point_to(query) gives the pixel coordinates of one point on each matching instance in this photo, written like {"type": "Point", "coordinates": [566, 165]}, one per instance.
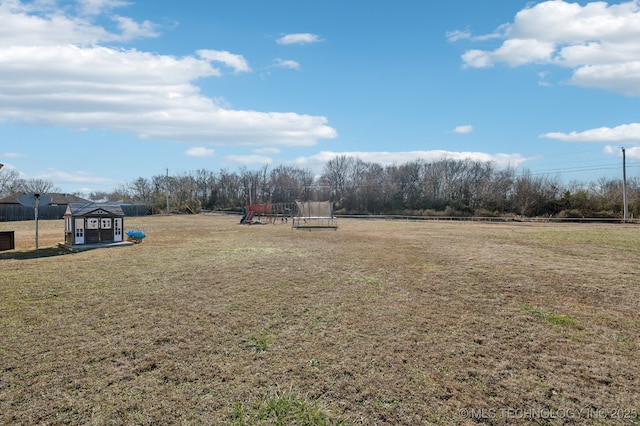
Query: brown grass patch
{"type": "Point", "coordinates": [380, 322]}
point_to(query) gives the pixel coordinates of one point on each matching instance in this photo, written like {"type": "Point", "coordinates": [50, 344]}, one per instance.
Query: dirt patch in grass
{"type": "Point", "coordinates": [380, 322]}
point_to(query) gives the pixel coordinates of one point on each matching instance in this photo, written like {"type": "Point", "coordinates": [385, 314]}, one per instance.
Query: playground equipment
{"type": "Point", "coordinates": [267, 213]}
{"type": "Point", "coordinates": [314, 214]}
{"type": "Point", "coordinates": [303, 214]}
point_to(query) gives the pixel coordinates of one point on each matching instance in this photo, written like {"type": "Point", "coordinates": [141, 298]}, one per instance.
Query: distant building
{"type": "Point", "coordinates": [12, 210]}
{"type": "Point", "coordinates": [56, 199]}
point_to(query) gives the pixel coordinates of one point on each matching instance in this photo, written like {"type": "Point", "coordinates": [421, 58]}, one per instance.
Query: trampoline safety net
{"type": "Point", "coordinates": [314, 214]}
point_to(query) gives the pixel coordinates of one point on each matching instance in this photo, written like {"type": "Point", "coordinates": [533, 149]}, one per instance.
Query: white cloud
{"type": "Point", "coordinates": [249, 159]}
{"type": "Point", "coordinates": [300, 38]}
{"type": "Point", "coordinates": [622, 133]}
{"type": "Point", "coordinates": [260, 156]}
{"type": "Point", "coordinates": [286, 63]}
{"type": "Point", "coordinates": [131, 29]}
{"type": "Point", "coordinates": [633, 152]}
{"type": "Point", "coordinates": [54, 71]}
{"type": "Point", "coordinates": [463, 129]}
{"type": "Point", "coordinates": [317, 162]}
{"type": "Point", "coordinates": [477, 59]}
{"type": "Point", "coordinates": [200, 152]}
{"type": "Point", "coordinates": [599, 42]}
{"type": "Point", "coordinates": [82, 177]}
{"type": "Point", "coordinates": [96, 7]}
{"type": "Point", "coordinates": [237, 62]}
{"type": "Point", "coordinates": [267, 151]}
{"type": "Point", "coordinates": [622, 78]}
{"type": "Point", "coordinates": [41, 24]}
{"type": "Point", "coordinates": [542, 79]}
{"type": "Point", "coordinates": [514, 52]}
{"type": "Point", "coordinates": [12, 155]}
{"type": "Point", "coordinates": [457, 35]}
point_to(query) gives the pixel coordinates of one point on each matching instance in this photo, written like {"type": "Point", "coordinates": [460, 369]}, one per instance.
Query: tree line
{"type": "Point", "coordinates": [12, 183]}
{"type": "Point", "coordinates": [445, 187]}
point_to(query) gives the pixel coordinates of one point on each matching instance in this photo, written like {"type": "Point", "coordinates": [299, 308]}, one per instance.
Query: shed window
{"type": "Point", "coordinates": [93, 223]}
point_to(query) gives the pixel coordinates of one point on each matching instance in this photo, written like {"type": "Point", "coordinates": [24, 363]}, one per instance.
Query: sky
{"type": "Point", "coordinates": [95, 94]}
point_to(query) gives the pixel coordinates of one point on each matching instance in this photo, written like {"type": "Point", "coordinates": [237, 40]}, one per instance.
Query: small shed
{"type": "Point", "coordinates": [93, 223]}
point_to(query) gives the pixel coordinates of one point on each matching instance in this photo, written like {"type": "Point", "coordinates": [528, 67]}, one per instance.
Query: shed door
{"type": "Point", "coordinates": [106, 229]}
{"type": "Point", "coordinates": [79, 232]}
{"type": "Point", "coordinates": [92, 234]}
{"type": "Point", "coordinates": [117, 229]}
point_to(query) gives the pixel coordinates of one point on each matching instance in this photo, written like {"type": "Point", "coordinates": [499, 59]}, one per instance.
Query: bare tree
{"type": "Point", "coordinates": [10, 182]}
{"type": "Point", "coordinates": [38, 186]}
{"type": "Point", "coordinates": [336, 174]}
{"type": "Point", "coordinates": [288, 183]}
{"type": "Point", "coordinates": [495, 194]}
{"type": "Point", "coordinates": [141, 190]}
{"type": "Point", "coordinates": [535, 195]}
{"type": "Point", "coordinates": [229, 190]}
{"type": "Point", "coordinates": [205, 182]}
{"type": "Point", "coordinates": [356, 186]}
{"type": "Point", "coordinates": [371, 191]}
{"type": "Point", "coordinates": [409, 184]}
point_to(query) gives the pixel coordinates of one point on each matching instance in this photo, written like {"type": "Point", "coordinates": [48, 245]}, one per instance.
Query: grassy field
{"type": "Point", "coordinates": [378, 323]}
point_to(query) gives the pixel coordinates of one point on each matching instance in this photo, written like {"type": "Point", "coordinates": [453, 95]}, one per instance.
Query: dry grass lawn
{"type": "Point", "coordinates": [378, 323]}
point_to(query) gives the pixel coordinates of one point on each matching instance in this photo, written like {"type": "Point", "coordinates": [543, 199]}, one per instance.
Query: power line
{"type": "Point", "coordinates": [580, 169]}
{"type": "Point", "coordinates": [566, 163]}
{"type": "Point", "coordinates": [572, 170]}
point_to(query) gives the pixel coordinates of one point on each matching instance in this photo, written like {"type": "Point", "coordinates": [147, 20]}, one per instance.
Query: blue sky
{"type": "Point", "coordinates": [96, 93]}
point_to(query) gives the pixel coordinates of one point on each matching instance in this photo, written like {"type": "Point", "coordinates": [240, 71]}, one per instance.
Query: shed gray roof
{"type": "Point", "coordinates": [88, 209]}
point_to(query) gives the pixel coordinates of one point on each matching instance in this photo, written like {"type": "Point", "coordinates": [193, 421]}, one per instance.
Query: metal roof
{"type": "Point", "coordinates": [90, 208]}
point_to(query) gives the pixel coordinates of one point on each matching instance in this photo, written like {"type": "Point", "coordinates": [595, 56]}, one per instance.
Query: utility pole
{"type": "Point", "coordinates": [167, 189]}
{"type": "Point", "coordinates": [35, 210]}
{"type": "Point", "coordinates": [624, 187]}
